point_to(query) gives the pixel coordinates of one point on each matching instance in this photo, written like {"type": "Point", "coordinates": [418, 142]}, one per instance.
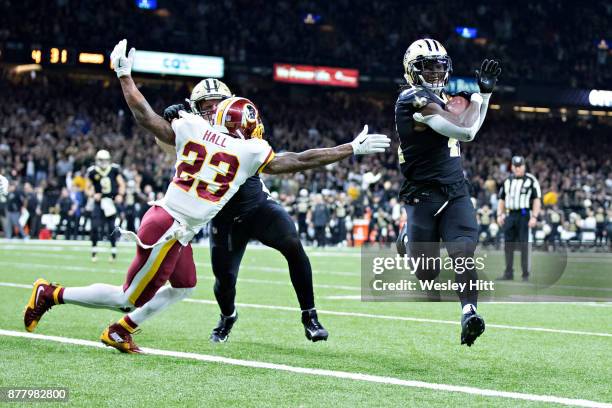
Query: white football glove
{"type": "Point", "coordinates": [3, 186]}
{"type": "Point", "coordinates": [122, 64]}
{"type": "Point", "coordinates": [366, 143]}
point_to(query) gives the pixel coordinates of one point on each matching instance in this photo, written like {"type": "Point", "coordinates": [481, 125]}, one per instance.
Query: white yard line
{"type": "Point", "coordinates": [589, 304]}
{"type": "Point", "coordinates": [31, 265]}
{"type": "Point", "coordinates": [375, 316]}
{"type": "Point", "coordinates": [47, 267]}
{"type": "Point", "coordinates": [243, 267]}
{"type": "Point", "coordinates": [407, 319]}
{"type": "Point", "coordinates": [340, 252]}
{"type": "Point", "coordinates": [326, 373]}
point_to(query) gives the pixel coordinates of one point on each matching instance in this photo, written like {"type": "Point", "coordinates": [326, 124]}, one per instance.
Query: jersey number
{"type": "Point", "coordinates": [194, 156]}
{"type": "Point", "coordinates": [453, 146]}
{"type": "Point", "coordinates": [106, 185]}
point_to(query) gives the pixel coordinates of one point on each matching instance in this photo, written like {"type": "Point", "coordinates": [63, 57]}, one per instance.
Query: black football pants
{"type": "Point", "coordinates": [102, 227]}
{"type": "Point", "coordinates": [270, 224]}
{"type": "Point", "coordinates": [455, 224]}
{"type": "Point", "coordinates": [516, 236]}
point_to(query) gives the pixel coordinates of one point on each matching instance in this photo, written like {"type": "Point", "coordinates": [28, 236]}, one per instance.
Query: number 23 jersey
{"type": "Point", "coordinates": [210, 168]}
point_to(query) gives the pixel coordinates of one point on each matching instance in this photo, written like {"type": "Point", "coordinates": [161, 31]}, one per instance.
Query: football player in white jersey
{"type": "Point", "coordinates": [210, 167]}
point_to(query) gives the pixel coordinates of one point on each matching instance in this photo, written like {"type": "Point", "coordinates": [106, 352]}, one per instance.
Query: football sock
{"type": "Point", "coordinates": [164, 298]}
{"type": "Point", "coordinates": [98, 295]}
{"type": "Point", "coordinates": [465, 250]}
{"type": "Point", "coordinates": [225, 267]}
{"type": "Point", "coordinates": [232, 315]}
{"type": "Point", "coordinates": [128, 324]}
{"type": "Point", "coordinates": [468, 308]}
{"type": "Point", "coordinates": [300, 270]}
{"type": "Point", "coordinates": [114, 252]}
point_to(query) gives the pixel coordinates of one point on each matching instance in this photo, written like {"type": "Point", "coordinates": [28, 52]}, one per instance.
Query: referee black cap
{"type": "Point", "coordinates": [518, 160]}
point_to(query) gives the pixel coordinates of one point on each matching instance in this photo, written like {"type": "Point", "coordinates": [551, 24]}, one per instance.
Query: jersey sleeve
{"type": "Point", "coordinates": [535, 186]}
{"type": "Point", "coordinates": [187, 124]}
{"type": "Point", "coordinates": [502, 191]}
{"type": "Point", "coordinates": [409, 101]}
{"type": "Point", "coordinates": [260, 153]}
{"type": "Point", "coordinates": [116, 170]}
{"type": "Point", "coordinates": [90, 174]}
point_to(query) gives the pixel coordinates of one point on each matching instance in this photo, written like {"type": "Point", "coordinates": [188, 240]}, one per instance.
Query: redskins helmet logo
{"type": "Point", "coordinates": [249, 114]}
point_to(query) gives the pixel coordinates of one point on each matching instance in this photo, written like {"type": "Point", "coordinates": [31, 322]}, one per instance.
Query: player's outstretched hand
{"type": "Point", "coordinates": [122, 64]}
{"type": "Point", "coordinates": [3, 186]}
{"type": "Point", "coordinates": [366, 143]}
{"type": "Point", "coordinates": [487, 75]}
{"type": "Point", "coordinates": [172, 111]}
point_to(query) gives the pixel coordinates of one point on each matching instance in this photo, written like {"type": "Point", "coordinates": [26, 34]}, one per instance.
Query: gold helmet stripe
{"type": "Point", "coordinates": [222, 110]}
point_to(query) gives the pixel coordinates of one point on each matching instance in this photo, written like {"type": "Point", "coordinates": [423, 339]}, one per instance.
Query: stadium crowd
{"type": "Point", "coordinates": [536, 37]}
{"type": "Point", "coordinates": [50, 131]}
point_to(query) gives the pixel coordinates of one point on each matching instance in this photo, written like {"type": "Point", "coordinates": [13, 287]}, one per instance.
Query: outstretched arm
{"type": "Point", "coordinates": [293, 162]}
{"type": "Point", "coordinates": [364, 143]}
{"type": "Point", "coordinates": [144, 115]}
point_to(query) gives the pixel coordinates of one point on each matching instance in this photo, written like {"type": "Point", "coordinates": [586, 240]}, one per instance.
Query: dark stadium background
{"type": "Point", "coordinates": [56, 114]}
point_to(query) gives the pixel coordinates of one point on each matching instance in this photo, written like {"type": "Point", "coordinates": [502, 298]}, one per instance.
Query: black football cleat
{"type": "Point", "coordinates": [472, 326]}
{"type": "Point", "coordinates": [312, 328]}
{"type": "Point", "coordinates": [223, 329]}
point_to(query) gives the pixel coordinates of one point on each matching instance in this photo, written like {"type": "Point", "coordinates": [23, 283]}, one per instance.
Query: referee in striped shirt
{"type": "Point", "coordinates": [519, 206]}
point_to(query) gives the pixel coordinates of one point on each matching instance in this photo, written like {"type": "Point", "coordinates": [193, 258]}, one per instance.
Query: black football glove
{"type": "Point", "coordinates": [487, 75]}
{"type": "Point", "coordinates": [172, 111]}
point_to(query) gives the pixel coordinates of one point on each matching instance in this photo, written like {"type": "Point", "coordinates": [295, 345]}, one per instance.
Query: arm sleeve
{"type": "Point", "coordinates": [483, 108]}
{"type": "Point", "coordinates": [450, 130]}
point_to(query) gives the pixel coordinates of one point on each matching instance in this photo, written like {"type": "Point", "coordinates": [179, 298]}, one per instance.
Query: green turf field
{"type": "Point", "coordinates": [410, 351]}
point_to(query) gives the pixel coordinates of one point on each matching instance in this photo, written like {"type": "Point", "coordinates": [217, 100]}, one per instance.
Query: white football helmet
{"type": "Point", "coordinates": [206, 90]}
{"type": "Point", "coordinates": [427, 64]}
{"type": "Point", "coordinates": [103, 159]}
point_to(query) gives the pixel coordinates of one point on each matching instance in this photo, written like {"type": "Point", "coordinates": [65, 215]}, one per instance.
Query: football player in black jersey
{"type": "Point", "coordinates": [105, 185]}
{"type": "Point", "coordinates": [435, 192]}
{"type": "Point", "coordinates": [250, 214]}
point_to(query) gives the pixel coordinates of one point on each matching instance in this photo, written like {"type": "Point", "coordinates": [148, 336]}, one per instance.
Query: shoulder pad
{"type": "Point", "coordinates": [91, 169]}
{"type": "Point", "coordinates": [416, 96]}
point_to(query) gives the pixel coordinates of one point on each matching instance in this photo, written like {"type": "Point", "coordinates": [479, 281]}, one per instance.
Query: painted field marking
{"type": "Point", "coordinates": [373, 316]}
{"type": "Point", "coordinates": [325, 373]}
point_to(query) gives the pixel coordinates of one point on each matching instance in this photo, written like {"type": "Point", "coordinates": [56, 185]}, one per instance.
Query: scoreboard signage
{"type": "Point", "coordinates": [313, 75]}
{"type": "Point", "coordinates": [178, 64]}
{"type": "Point", "coordinates": [462, 84]}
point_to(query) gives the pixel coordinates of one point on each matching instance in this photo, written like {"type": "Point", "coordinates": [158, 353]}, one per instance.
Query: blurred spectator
{"type": "Point", "coordinates": [51, 128]}
{"type": "Point", "coordinates": [548, 40]}
{"type": "Point", "coordinates": [320, 219]}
